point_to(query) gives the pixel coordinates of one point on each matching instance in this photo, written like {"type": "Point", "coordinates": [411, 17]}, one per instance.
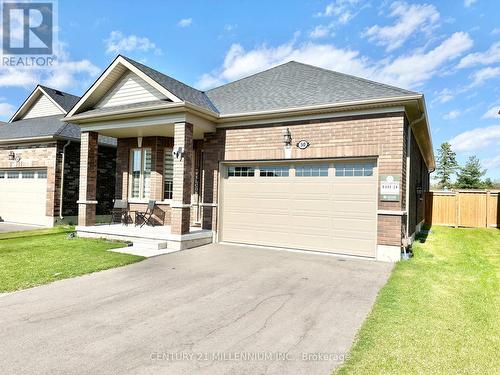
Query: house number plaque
{"type": "Point", "coordinates": [303, 144]}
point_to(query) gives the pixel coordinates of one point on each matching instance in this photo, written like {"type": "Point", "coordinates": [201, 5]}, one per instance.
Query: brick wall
{"type": "Point", "coordinates": [354, 136]}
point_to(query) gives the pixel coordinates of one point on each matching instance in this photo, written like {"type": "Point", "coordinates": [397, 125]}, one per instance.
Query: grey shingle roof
{"type": "Point", "coordinates": [179, 89]}
{"type": "Point", "coordinates": [65, 100]}
{"type": "Point", "coordinates": [48, 126]}
{"type": "Point", "coordinates": [296, 84]}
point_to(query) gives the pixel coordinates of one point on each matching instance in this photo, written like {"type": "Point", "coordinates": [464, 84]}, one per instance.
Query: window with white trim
{"type": "Point", "coordinates": [12, 174]}
{"type": "Point", "coordinates": [41, 174]}
{"type": "Point", "coordinates": [354, 169]}
{"type": "Point", "coordinates": [240, 172]}
{"type": "Point", "coordinates": [313, 170]}
{"type": "Point", "coordinates": [2, 174]}
{"type": "Point", "coordinates": [140, 173]}
{"type": "Point", "coordinates": [274, 171]}
{"type": "Point", "coordinates": [168, 175]}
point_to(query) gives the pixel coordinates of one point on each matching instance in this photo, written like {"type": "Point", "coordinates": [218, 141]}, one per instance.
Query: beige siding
{"type": "Point", "coordinates": [43, 106]}
{"type": "Point", "coordinates": [130, 89]}
{"type": "Point", "coordinates": [330, 214]}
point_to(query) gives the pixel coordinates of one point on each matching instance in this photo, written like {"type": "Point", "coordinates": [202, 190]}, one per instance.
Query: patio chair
{"type": "Point", "coordinates": [146, 216]}
{"type": "Point", "coordinates": [119, 212]}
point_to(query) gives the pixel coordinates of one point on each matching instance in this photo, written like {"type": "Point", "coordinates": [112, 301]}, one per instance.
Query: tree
{"type": "Point", "coordinates": [488, 184]}
{"type": "Point", "coordinates": [446, 165]}
{"type": "Point", "coordinates": [469, 176]}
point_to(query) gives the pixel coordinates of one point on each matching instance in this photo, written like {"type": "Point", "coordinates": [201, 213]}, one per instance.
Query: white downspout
{"type": "Point", "coordinates": [62, 180]}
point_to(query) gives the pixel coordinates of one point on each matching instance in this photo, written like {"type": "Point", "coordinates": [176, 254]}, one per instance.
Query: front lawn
{"type": "Point", "coordinates": [38, 257]}
{"type": "Point", "coordinates": [439, 313]}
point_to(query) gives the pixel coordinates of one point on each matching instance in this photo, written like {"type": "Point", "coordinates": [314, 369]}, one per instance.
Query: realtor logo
{"type": "Point", "coordinates": [28, 33]}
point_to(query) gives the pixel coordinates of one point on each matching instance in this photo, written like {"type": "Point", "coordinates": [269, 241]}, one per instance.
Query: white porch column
{"type": "Point", "coordinates": [181, 205]}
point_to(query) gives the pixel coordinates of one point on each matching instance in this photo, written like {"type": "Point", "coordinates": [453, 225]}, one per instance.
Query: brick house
{"type": "Point", "coordinates": [294, 157]}
{"type": "Point", "coordinates": [40, 162]}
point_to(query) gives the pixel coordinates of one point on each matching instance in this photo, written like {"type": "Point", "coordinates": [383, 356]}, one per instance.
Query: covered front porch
{"type": "Point", "coordinates": [160, 162]}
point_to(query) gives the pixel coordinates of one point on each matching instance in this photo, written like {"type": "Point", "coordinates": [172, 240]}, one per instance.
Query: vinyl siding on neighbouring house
{"type": "Point", "coordinates": [42, 107]}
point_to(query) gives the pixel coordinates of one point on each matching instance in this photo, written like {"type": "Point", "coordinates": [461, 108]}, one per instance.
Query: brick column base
{"type": "Point", "coordinates": [86, 213]}
{"type": "Point", "coordinates": [180, 220]}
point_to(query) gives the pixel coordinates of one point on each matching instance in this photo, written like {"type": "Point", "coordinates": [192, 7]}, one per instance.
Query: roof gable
{"type": "Point", "coordinates": [294, 85]}
{"type": "Point", "coordinates": [130, 89]}
{"type": "Point", "coordinates": [109, 79]}
{"type": "Point", "coordinates": [44, 101]}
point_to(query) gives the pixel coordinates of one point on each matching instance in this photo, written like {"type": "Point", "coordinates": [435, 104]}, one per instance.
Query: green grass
{"type": "Point", "coordinates": [31, 258]}
{"type": "Point", "coordinates": [439, 313]}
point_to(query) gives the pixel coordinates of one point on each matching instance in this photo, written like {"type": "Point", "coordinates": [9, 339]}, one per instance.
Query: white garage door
{"type": "Point", "coordinates": [328, 206]}
{"type": "Point", "coordinates": [23, 196]}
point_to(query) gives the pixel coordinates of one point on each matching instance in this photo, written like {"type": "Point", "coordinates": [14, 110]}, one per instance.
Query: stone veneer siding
{"type": "Point", "coordinates": [381, 135]}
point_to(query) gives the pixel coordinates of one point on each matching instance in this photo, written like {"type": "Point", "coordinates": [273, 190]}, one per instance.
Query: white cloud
{"type": "Point", "coordinates": [468, 3]}
{"type": "Point", "coordinates": [185, 22]}
{"type": "Point", "coordinates": [491, 163]}
{"type": "Point", "coordinates": [476, 139]}
{"type": "Point", "coordinates": [408, 71]}
{"type": "Point", "coordinates": [482, 75]}
{"type": "Point", "coordinates": [495, 31]}
{"type": "Point", "coordinates": [409, 19]}
{"type": "Point", "coordinates": [69, 74]}
{"type": "Point", "coordinates": [65, 74]}
{"type": "Point", "coordinates": [444, 96]}
{"type": "Point", "coordinates": [342, 10]}
{"type": "Point", "coordinates": [6, 110]}
{"type": "Point", "coordinates": [118, 43]}
{"type": "Point", "coordinates": [321, 31]}
{"type": "Point", "coordinates": [452, 115]}
{"type": "Point", "coordinates": [493, 112]}
{"type": "Point", "coordinates": [491, 56]}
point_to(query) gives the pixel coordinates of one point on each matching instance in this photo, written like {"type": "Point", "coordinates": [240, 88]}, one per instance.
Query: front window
{"type": "Point", "coordinates": [168, 175]}
{"type": "Point", "coordinates": [140, 173]}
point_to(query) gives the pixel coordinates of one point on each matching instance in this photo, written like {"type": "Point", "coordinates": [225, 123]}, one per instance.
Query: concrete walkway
{"type": "Point", "coordinates": [209, 310]}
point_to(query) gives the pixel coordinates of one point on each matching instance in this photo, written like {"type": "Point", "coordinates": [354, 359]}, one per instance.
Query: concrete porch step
{"type": "Point", "coordinates": [149, 244]}
{"type": "Point", "coordinates": [143, 251]}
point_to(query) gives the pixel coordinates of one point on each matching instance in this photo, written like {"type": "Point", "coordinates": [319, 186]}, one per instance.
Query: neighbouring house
{"type": "Point", "coordinates": [294, 157]}
{"type": "Point", "coordinates": [40, 162]}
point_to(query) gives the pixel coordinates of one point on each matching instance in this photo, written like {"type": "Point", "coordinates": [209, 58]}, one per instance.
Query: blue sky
{"type": "Point", "coordinates": [449, 50]}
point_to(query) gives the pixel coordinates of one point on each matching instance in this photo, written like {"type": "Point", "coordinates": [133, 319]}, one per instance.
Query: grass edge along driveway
{"type": "Point", "coordinates": [439, 312]}
{"type": "Point", "coordinates": [36, 257]}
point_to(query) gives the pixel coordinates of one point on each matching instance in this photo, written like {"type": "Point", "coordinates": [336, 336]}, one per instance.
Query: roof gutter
{"type": "Point", "coordinates": [295, 110]}
{"type": "Point", "coordinates": [26, 140]}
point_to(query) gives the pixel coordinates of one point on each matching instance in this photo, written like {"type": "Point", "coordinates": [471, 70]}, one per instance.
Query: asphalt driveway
{"type": "Point", "coordinates": [214, 309]}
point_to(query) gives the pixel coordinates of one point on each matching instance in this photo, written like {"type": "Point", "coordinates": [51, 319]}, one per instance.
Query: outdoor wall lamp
{"type": "Point", "coordinates": [287, 137]}
{"type": "Point", "coordinates": [420, 192]}
{"type": "Point", "coordinates": [178, 153]}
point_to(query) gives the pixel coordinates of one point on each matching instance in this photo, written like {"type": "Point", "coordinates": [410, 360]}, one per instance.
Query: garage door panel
{"type": "Point", "coordinates": [323, 213]}
{"type": "Point", "coordinates": [23, 200]}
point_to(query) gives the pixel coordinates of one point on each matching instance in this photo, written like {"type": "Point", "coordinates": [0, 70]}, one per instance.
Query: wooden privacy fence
{"type": "Point", "coordinates": [463, 208]}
